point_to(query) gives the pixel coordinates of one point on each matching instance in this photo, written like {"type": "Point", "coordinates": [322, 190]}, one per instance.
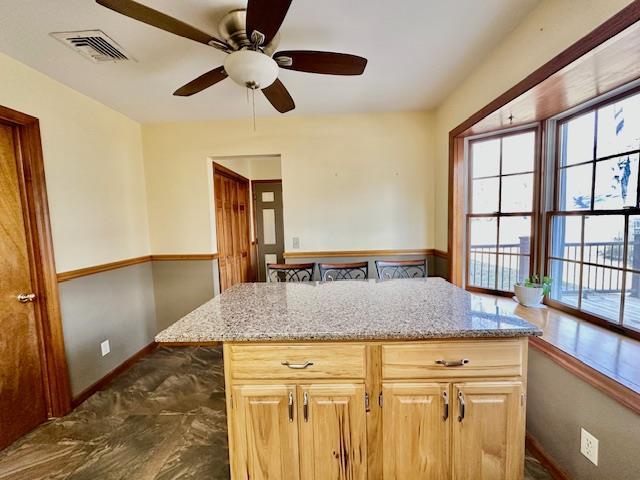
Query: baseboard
{"type": "Point", "coordinates": [109, 377]}
{"type": "Point", "coordinates": [547, 462]}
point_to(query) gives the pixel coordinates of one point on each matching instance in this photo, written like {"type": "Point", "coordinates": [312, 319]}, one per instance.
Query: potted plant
{"type": "Point", "coordinates": [531, 291]}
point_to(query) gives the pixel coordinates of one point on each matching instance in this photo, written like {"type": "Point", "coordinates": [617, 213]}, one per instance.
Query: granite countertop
{"type": "Point", "coordinates": [410, 309]}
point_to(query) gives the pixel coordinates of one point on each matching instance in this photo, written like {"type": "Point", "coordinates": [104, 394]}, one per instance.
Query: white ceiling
{"type": "Point", "coordinates": [418, 50]}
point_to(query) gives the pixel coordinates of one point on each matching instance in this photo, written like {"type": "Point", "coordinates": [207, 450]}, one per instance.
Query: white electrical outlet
{"type": "Point", "coordinates": [105, 348]}
{"type": "Point", "coordinates": [589, 446]}
{"type": "Point", "coordinates": [296, 242]}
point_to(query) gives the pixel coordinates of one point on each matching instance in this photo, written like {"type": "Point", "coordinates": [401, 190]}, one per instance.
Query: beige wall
{"type": "Point", "coordinates": [97, 198]}
{"type": "Point", "coordinates": [253, 168]}
{"type": "Point", "coordinates": [350, 182]}
{"type": "Point", "coordinates": [548, 29]}
{"type": "Point", "coordinates": [94, 168]}
{"type": "Point", "coordinates": [559, 403]}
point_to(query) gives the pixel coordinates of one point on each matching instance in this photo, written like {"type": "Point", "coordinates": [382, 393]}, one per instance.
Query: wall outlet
{"type": "Point", "coordinates": [296, 242]}
{"type": "Point", "coordinates": [105, 348]}
{"type": "Point", "coordinates": [589, 446]}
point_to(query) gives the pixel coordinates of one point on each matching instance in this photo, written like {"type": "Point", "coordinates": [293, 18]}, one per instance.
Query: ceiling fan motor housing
{"type": "Point", "coordinates": [232, 29]}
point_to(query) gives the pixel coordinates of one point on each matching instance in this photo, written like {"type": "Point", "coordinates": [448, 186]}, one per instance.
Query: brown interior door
{"type": "Point", "coordinates": [269, 224]}
{"type": "Point", "coordinates": [22, 396]}
{"type": "Point", "coordinates": [232, 227]}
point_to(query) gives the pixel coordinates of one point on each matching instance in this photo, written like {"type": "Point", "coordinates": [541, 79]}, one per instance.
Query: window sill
{"type": "Point", "coordinates": [605, 359]}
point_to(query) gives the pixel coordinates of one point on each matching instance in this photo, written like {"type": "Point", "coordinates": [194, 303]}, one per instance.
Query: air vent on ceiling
{"type": "Point", "coordinates": [95, 45]}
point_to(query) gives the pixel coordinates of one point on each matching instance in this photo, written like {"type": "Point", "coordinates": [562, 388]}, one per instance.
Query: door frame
{"type": "Point", "coordinates": [222, 170]}
{"type": "Point", "coordinates": [255, 243]}
{"type": "Point", "coordinates": [33, 191]}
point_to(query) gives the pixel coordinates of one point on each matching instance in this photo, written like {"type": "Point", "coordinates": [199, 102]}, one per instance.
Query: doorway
{"type": "Point", "coordinates": [33, 371]}
{"type": "Point", "coordinates": [232, 226]}
{"type": "Point", "coordinates": [267, 210]}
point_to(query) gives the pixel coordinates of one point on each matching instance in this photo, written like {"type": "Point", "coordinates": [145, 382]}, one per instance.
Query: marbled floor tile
{"type": "Point", "coordinates": [164, 419]}
{"type": "Point", "coordinates": [533, 470]}
{"type": "Point", "coordinates": [132, 450]}
{"type": "Point", "coordinates": [197, 462]}
{"type": "Point", "coordinates": [43, 462]}
{"type": "Point", "coordinates": [203, 453]}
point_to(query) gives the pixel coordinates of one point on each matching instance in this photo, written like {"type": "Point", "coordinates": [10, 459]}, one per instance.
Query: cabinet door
{"type": "Point", "coordinates": [488, 431]}
{"type": "Point", "coordinates": [265, 433]}
{"type": "Point", "coordinates": [333, 441]}
{"type": "Point", "coordinates": [416, 423]}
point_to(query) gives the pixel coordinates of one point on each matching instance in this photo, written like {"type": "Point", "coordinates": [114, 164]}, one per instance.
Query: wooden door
{"type": "Point", "coordinates": [232, 227]}
{"type": "Point", "coordinates": [488, 431]}
{"type": "Point", "coordinates": [265, 433]}
{"type": "Point", "coordinates": [333, 442]}
{"type": "Point", "coordinates": [269, 224]}
{"type": "Point", "coordinates": [22, 398]}
{"type": "Point", "coordinates": [416, 424]}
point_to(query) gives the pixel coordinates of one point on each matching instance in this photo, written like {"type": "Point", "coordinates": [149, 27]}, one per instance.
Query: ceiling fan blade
{"type": "Point", "coordinates": [321, 62]}
{"type": "Point", "coordinates": [266, 17]}
{"type": "Point", "coordinates": [279, 97]}
{"type": "Point", "coordinates": [203, 81]}
{"type": "Point", "coordinates": [158, 19]}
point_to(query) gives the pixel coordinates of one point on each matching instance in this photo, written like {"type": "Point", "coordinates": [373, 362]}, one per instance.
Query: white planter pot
{"type": "Point", "coordinates": [529, 296]}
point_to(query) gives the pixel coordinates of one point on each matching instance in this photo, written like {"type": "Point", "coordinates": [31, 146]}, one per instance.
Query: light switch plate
{"type": "Point", "coordinates": [589, 446]}
{"type": "Point", "coordinates": [296, 242]}
{"type": "Point", "coordinates": [105, 348]}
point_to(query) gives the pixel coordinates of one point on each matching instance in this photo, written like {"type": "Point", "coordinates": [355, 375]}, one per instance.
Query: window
{"type": "Point", "coordinates": [594, 227]}
{"type": "Point", "coordinates": [500, 210]}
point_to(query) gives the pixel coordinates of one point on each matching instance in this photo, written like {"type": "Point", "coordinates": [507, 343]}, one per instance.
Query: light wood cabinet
{"type": "Point", "coordinates": [415, 427]}
{"type": "Point", "coordinates": [333, 432]}
{"type": "Point", "coordinates": [265, 432]}
{"type": "Point", "coordinates": [393, 410]}
{"type": "Point", "coordinates": [488, 431]}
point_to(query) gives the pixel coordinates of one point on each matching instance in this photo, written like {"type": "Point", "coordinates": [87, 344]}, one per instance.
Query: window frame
{"type": "Point", "coordinates": [548, 214]}
{"type": "Point", "coordinates": [534, 214]}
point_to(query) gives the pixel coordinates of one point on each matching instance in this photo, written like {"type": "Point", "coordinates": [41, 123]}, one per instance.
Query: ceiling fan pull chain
{"type": "Point", "coordinates": [253, 95]}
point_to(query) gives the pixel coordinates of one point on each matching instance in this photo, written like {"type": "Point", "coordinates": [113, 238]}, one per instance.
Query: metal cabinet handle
{"type": "Point", "coordinates": [453, 363]}
{"type": "Point", "coordinates": [462, 405]}
{"type": "Point", "coordinates": [297, 366]}
{"type": "Point", "coordinates": [291, 407]}
{"type": "Point", "coordinates": [26, 297]}
{"type": "Point", "coordinates": [305, 406]}
{"type": "Point", "coordinates": [445, 399]}
{"type": "Point", "coordinates": [367, 407]}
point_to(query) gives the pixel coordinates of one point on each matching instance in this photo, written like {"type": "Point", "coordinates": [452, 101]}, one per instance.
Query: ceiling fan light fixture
{"type": "Point", "coordinates": [251, 69]}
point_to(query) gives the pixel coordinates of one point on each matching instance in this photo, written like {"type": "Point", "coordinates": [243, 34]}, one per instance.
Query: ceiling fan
{"type": "Point", "coordinates": [250, 37]}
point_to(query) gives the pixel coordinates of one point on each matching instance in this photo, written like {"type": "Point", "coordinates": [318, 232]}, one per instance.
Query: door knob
{"type": "Point", "coordinates": [26, 297]}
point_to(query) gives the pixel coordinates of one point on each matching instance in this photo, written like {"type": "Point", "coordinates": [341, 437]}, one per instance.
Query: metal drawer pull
{"type": "Point", "coordinates": [290, 407]}
{"type": "Point", "coordinates": [445, 398]}
{"type": "Point", "coordinates": [462, 405]}
{"type": "Point", "coordinates": [297, 366]}
{"type": "Point", "coordinates": [305, 407]}
{"type": "Point", "coordinates": [453, 363]}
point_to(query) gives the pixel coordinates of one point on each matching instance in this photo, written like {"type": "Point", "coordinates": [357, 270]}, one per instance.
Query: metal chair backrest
{"type": "Point", "coordinates": [343, 271]}
{"type": "Point", "coordinates": [401, 269]}
{"type": "Point", "coordinates": [290, 272]}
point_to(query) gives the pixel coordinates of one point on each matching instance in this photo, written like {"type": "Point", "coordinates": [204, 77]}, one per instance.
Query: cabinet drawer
{"type": "Point", "coordinates": [288, 361]}
{"type": "Point", "coordinates": [474, 358]}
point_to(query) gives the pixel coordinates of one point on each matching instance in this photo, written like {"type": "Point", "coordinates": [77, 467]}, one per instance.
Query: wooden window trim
{"type": "Point", "coordinates": [592, 376]}
{"type": "Point", "coordinates": [455, 247]}
{"type": "Point", "coordinates": [48, 316]}
{"type": "Point", "coordinates": [624, 19]}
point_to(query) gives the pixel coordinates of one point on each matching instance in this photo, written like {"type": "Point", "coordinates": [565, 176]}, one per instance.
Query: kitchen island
{"type": "Point", "coordinates": [398, 379]}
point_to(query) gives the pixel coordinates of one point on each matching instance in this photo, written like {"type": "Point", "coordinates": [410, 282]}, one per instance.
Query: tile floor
{"type": "Point", "coordinates": [163, 419]}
